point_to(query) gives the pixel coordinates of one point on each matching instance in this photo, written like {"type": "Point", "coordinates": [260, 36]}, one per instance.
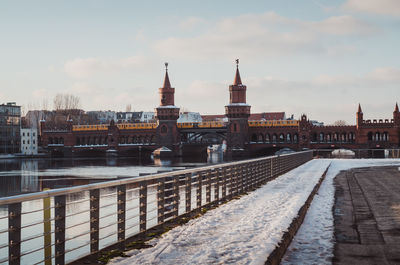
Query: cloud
{"type": "Point", "coordinates": [87, 67]}
{"type": "Point", "coordinates": [380, 7]}
{"type": "Point", "coordinates": [256, 35]}
{"type": "Point", "coordinates": [190, 23]}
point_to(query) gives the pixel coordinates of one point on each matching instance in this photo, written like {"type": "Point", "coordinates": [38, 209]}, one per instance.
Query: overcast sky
{"type": "Point", "coordinates": [317, 57]}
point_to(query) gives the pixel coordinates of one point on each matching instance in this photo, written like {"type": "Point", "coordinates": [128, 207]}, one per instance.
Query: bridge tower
{"type": "Point", "coordinates": [237, 112]}
{"type": "Point", "coordinates": [396, 116]}
{"type": "Point", "coordinates": [167, 114]}
{"type": "Point", "coordinates": [359, 117]}
{"type": "Point", "coordinates": [304, 132]}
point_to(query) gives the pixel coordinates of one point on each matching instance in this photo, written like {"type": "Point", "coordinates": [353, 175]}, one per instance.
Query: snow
{"type": "Point", "coordinates": [314, 241]}
{"type": "Point", "coordinates": [243, 231]}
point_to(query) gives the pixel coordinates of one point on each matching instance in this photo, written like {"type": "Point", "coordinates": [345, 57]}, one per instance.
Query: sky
{"type": "Point", "coordinates": [318, 57]}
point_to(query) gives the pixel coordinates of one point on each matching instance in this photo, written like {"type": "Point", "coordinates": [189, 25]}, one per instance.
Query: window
{"type": "Point", "coordinates": [23, 141]}
{"type": "Point", "coordinates": [28, 141]}
{"type": "Point", "coordinates": [34, 142]}
{"type": "Point", "coordinates": [27, 134]}
{"type": "Point", "coordinates": [33, 134]}
{"type": "Point", "coordinates": [23, 134]}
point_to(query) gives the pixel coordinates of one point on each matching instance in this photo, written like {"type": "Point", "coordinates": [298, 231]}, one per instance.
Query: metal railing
{"type": "Point", "coordinates": [63, 225]}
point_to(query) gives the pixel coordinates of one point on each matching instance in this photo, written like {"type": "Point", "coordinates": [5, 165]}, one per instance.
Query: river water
{"type": "Point", "coordinates": [34, 175]}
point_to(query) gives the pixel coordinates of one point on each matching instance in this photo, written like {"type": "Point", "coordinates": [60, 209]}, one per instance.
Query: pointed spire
{"type": "Point", "coordinates": [396, 109]}
{"type": "Point", "coordinates": [237, 80]}
{"type": "Point", "coordinates": [359, 108]}
{"type": "Point", "coordinates": [167, 84]}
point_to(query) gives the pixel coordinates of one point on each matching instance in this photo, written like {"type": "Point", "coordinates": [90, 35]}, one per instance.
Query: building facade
{"type": "Point", "coordinates": [29, 141]}
{"type": "Point", "coordinates": [10, 125]}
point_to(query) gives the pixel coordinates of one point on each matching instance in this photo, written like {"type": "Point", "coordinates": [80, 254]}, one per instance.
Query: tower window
{"type": "Point", "coordinates": [235, 127]}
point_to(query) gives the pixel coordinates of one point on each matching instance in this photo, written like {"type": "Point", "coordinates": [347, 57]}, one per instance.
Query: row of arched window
{"type": "Point", "coordinates": [103, 140]}
{"type": "Point", "coordinates": [56, 140]}
{"type": "Point", "coordinates": [275, 138]}
{"type": "Point", "coordinates": [333, 137]}
{"type": "Point", "coordinates": [378, 136]}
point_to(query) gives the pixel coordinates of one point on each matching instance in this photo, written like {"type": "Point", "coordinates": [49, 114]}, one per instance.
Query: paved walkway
{"type": "Point", "coordinates": [367, 216]}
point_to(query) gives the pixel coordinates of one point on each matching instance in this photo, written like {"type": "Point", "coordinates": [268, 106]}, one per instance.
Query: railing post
{"type": "Point", "coordinates": [208, 186]}
{"type": "Point", "coordinates": [217, 184]}
{"type": "Point", "coordinates": [199, 190]}
{"type": "Point", "coordinates": [14, 234]}
{"type": "Point", "coordinates": [94, 220]}
{"type": "Point", "coordinates": [188, 192]}
{"type": "Point", "coordinates": [142, 206]}
{"type": "Point", "coordinates": [161, 200]}
{"type": "Point", "coordinates": [121, 190]}
{"type": "Point", "coordinates": [224, 177]}
{"type": "Point", "coordinates": [176, 195]}
{"type": "Point", "coordinates": [235, 181]}
{"type": "Point", "coordinates": [59, 231]}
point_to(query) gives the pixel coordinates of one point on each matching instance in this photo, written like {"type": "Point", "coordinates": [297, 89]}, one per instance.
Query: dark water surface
{"type": "Point", "coordinates": [20, 176]}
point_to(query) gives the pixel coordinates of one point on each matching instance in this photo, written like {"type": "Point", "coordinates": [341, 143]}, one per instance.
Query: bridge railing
{"type": "Point", "coordinates": [66, 224]}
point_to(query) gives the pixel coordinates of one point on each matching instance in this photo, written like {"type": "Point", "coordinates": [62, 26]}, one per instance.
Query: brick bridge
{"type": "Point", "coordinates": [241, 135]}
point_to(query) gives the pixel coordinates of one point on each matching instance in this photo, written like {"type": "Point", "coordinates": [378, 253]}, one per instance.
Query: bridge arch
{"type": "Point", "coordinates": [267, 138]}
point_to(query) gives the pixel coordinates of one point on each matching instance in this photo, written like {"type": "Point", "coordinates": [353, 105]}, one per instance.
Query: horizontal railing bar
{"type": "Point", "coordinates": [114, 194]}
{"type": "Point", "coordinates": [108, 215]}
{"type": "Point", "coordinates": [78, 235]}
{"type": "Point", "coordinates": [113, 183]}
{"type": "Point", "coordinates": [77, 213]}
{"type": "Point", "coordinates": [132, 216]}
{"type": "Point", "coordinates": [78, 224]}
{"type": "Point", "coordinates": [108, 235]}
{"type": "Point", "coordinates": [76, 202]}
{"type": "Point", "coordinates": [78, 247]}
{"type": "Point", "coordinates": [129, 209]}
{"type": "Point", "coordinates": [37, 223]}
{"type": "Point", "coordinates": [110, 224]}
{"type": "Point", "coordinates": [43, 261]}
{"type": "Point", "coordinates": [108, 205]}
{"type": "Point", "coordinates": [36, 236]}
{"type": "Point", "coordinates": [35, 211]}
{"type": "Point", "coordinates": [35, 250]}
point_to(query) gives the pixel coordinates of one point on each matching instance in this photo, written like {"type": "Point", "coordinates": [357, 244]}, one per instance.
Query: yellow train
{"type": "Point", "coordinates": [185, 125]}
{"type": "Point", "coordinates": [274, 123]}
{"type": "Point", "coordinates": [206, 124]}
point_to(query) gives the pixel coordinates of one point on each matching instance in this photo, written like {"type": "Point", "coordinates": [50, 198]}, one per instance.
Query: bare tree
{"type": "Point", "coordinates": [340, 123]}
{"type": "Point", "coordinates": [66, 102]}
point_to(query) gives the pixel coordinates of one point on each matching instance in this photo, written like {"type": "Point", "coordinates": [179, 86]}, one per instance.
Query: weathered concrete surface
{"type": "Point", "coordinates": [367, 216]}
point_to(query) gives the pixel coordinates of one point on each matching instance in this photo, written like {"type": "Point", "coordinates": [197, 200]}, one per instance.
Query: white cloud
{"type": "Point", "coordinates": [87, 67]}
{"type": "Point", "coordinates": [255, 35]}
{"type": "Point", "coordinates": [190, 23]}
{"type": "Point", "coordinates": [380, 7]}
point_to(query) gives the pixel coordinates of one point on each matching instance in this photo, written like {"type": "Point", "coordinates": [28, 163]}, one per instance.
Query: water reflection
{"type": "Point", "coordinates": [34, 175]}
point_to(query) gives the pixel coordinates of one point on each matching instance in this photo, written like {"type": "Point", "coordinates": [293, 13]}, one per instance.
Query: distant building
{"type": "Point", "coordinates": [29, 141]}
{"type": "Point", "coordinates": [10, 124]}
{"type": "Point", "coordinates": [189, 117]}
{"type": "Point", "coordinates": [102, 117]}
{"type": "Point", "coordinates": [147, 116]}
{"type": "Point", "coordinates": [316, 123]}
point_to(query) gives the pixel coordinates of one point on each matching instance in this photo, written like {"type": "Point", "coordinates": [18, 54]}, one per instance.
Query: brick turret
{"type": "Point", "coordinates": [237, 112]}
{"type": "Point", "coordinates": [167, 114]}
{"type": "Point", "coordinates": [359, 116]}
{"type": "Point", "coordinates": [396, 116]}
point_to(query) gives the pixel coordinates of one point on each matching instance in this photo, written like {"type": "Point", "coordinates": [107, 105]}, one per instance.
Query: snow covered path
{"type": "Point", "coordinates": [243, 231]}
{"type": "Point", "coordinates": [314, 242]}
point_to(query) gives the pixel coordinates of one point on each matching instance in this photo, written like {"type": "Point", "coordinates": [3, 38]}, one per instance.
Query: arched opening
{"type": "Point", "coordinates": [351, 137]}
{"type": "Point", "coordinates": [260, 138]}
{"type": "Point", "coordinates": [344, 138]}
{"type": "Point", "coordinates": [321, 137]}
{"type": "Point", "coordinates": [78, 141]}
{"type": "Point", "coordinates": [152, 139]}
{"type": "Point", "coordinates": [267, 138]}
{"type": "Point", "coordinates": [274, 137]}
{"type": "Point", "coordinates": [385, 136]}
{"type": "Point", "coordinates": [329, 137]}
{"type": "Point", "coordinates": [296, 138]}
{"type": "Point", "coordinates": [254, 137]}
{"type": "Point", "coordinates": [370, 136]}
{"type": "Point", "coordinates": [55, 140]}
{"type": "Point", "coordinates": [314, 137]}
{"type": "Point", "coordinates": [61, 141]}
{"type": "Point", "coordinates": [288, 138]}
{"type": "Point", "coordinates": [377, 136]}
{"type": "Point", "coordinates": [281, 138]}
{"type": "Point", "coordinates": [50, 140]}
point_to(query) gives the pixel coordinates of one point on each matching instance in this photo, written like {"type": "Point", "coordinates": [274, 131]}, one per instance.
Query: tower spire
{"type": "Point", "coordinates": [396, 109]}
{"type": "Point", "coordinates": [167, 84]}
{"type": "Point", "coordinates": [237, 80]}
{"type": "Point", "coordinates": [359, 108]}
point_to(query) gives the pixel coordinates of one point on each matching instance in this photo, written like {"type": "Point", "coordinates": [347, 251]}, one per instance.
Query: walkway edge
{"type": "Point", "coordinates": [277, 254]}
